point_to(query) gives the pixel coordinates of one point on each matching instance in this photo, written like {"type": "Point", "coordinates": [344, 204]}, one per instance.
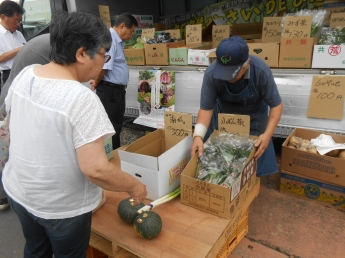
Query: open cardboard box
{"type": "Point", "coordinates": [135, 56]}
{"type": "Point", "coordinates": [320, 167]}
{"type": "Point", "coordinates": [216, 199]}
{"type": "Point", "coordinates": [320, 192]}
{"type": "Point", "coordinates": [158, 158]}
{"type": "Point", "coordinates": [158, 54]}
{"type": "Point", "coordinates": [328, 56]}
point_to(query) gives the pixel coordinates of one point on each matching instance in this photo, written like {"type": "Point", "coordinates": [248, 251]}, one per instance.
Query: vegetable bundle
{"type": "Point", "coordinates": [224, 158]}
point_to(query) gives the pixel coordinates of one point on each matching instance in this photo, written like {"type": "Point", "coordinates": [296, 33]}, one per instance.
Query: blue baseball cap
{"type": "Point", "coordinates": [231, 53]}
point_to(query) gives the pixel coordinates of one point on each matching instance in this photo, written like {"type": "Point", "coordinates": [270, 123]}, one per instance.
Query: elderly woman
{"type": "Point", "coordinates": [58, 166]}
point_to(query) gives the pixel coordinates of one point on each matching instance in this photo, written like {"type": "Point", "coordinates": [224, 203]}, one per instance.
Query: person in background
{"type": "Point", "coordinates": [11, 40]}
{"type": "Point", "coordinates": [57, 165]}
{"type": "Point", "coordinates": [112, 82]}
{"type": "Point", "coordinates": [239, 83]}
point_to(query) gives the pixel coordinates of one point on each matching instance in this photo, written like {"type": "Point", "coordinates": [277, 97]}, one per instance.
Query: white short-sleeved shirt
{"type": "Point", "coordinates": [9, 41]}
{"type": "Point", "coordinates": [50, 119]}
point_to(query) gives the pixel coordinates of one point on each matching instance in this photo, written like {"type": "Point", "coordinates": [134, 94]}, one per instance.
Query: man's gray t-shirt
{"type": "Point", "coordinates": [36, 51]}
{"type": "Point", "coordinates": [263, 81]}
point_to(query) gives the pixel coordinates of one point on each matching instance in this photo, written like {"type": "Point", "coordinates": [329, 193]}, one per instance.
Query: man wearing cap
{"type": "Point", "coordinates": [239, 83]}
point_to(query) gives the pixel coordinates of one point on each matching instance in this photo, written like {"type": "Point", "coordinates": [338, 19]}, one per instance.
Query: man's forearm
{"type": "Point", "coordinates": [273, 119]}
{"type": "Point", "coordinates": [9, 54]}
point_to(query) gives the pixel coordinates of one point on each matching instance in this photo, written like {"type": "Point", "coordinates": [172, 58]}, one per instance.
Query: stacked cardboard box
{"type": "Point", "coordinates": [311, 176]}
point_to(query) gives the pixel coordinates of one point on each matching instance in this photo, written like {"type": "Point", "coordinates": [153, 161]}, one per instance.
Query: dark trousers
{"type": "Point", "coordinates": [65, 238]}
{"type": "Point", "coordinates": [113, 98]}
{"type": "Point", "coordinates": [4, 76]}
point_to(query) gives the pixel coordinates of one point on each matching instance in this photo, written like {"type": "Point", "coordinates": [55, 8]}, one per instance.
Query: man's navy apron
{"type": "Point", "coordinates": [247, 102]}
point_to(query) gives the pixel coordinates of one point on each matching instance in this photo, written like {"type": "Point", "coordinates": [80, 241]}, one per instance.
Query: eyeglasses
{"type": "Point", "coordinates": [107, 58]}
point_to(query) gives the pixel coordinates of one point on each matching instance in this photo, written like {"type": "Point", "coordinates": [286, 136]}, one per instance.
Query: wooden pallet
{"type": "Point", "coordinates": [187, 232]}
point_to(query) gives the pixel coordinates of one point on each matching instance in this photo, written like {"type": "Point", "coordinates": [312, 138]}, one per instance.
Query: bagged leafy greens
{"type": "Point", "coordinates": [224, 158]}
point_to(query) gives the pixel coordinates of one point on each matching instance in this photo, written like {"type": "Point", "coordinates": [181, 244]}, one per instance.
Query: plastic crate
{"type": "Point", "coordinates": [235, 237]}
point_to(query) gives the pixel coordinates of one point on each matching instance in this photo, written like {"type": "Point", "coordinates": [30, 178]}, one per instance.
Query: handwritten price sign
{"type": "Point", "coordinates": [327, 97]}
{"type": "Point", "coordinates": [193, 34]}
{"type": "Point", "coordinates": [147, 34]}
{"type": "Point", "coordinates": [337, 19]}
{"type": "Point", "coordinates": [229, 123]}
{"type": "Point", "coordinates": [177, 127]}
{"type": "Point", "coordinates": [104, 14]}
{"type": "Point", "coordinates": [297, 26]}
{"type": "Point", "coordinates": [219, 32]}
{"type": "Point", "coordinates": [271, 29]}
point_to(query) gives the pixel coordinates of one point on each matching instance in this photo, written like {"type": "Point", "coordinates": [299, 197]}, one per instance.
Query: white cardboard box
{"type": "Point", "coordinates": [328, 56]}
{"type": "Point", "coordinates": [150, 161]}
{"type": "Point", "coordinates": [199, 56]}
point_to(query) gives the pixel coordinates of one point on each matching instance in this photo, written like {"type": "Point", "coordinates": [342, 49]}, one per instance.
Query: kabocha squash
{"type": "Point", "coordinates": [148, 224]}
{"type": "Point", "coordinates": [127, 210]}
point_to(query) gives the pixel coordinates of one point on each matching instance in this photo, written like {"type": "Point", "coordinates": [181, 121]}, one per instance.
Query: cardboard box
{"type": "Point", "coordinates": [158, 54]}
{"type": "Point", "coordinates": [247, 30]}
{"type": "Point", "coordinates": [178, 56]}
{"type": "Point", "coordinates": [333, 6]}
{"type": "Point", "coordinates": [268, 52]}
{"type": "Point", "coordinates": [328, 56]}
{"type": "Point", "coordinates": [198, 55]}
{"type": "Point", "coordinates": [320, 167]}
{"type": "Point", "coordinates": [303, 187]}
{"type": "Point", "coordinates": [158, 158]}
{"type": "Point", "coordinates": [296, 52]}
{"type": "Point", "coordinates": [135, 56]}
{"type": "Point", "coordinates": [215, 199]}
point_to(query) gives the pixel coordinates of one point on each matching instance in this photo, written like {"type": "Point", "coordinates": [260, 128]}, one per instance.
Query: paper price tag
{"type": "Point", "coordinates": [327, 97]}
{"type": "Point", "coordinates": [271, 29]}
{"type": "Point", "coordinates": [177, 127]}
{"type": "Point", "coordinates": [175, 34]}
{"type": "Point", "coordinates": [229, 123]}
{"type": "Point", "coordinates": [147, 34]}
{"type": "Point", "coordinates": [193, 34]}
{"type": "Point", "coordinates": [104, 14]}
{"type": "Point", "coordinates": [297, 26]}
{"type": "Point", "coordinates": [337, 19]}
{"type": "Point", "coordinates": [219, 32]}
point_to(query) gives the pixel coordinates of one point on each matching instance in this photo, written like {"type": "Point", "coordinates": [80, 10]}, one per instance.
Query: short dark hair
{"type": "Point", "coordinates": [9, 8]}
{"type": "Point", "coordinates": [71, 31]}
{"type": "Point", "coordinates": [127, 19]}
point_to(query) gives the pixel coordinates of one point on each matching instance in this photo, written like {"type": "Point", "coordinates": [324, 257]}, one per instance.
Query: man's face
{"type": "Point", "coordinates": [241, 73]}
{"type": "Point", "coordinates": [11, 23]}
{"type": "Point", "coordinates": [125, 33]}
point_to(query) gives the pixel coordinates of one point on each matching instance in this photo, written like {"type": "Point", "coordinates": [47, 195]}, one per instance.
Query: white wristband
{"type": "Point", "coordinates": [200, 130]}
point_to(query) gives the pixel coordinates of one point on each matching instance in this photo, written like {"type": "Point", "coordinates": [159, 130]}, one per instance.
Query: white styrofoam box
{"type": "Point", "coordinates": [199, 56]}
{"type": "Point", "coordinates": [328, 56]}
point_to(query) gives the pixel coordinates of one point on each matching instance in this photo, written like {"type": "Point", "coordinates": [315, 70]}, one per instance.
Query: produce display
{"type": "Point", "coordinates": [147, 223]}
{"type": "Point", "coordinates": [332, 36]}
{"type": "Point", "coordinates": [305, 145]}
{"type": "Point", "coordinates": [224, 158]}
{"type": "Point", "coordinates": [163, 37]}
{"type": "Point", "coordinates": [139, 44]}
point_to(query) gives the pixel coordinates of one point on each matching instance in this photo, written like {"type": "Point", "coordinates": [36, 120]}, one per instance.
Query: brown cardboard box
{"type": "Point", "coordinates": [268, 52]}
{"type": "Point", "coordinates": [303, 187]}
{"type": "Point", "coordinates": [216, 199]}
{"type": "Point", "coordinates": [296, 52]}
{"type": "Point", "coordinates": [247, 30]}
{"type": "Point", "coordinates": [159, 26]}
{"type": "Point", "coordinates": [320, 167]}
{"type": "Point", "coordinates": [135, 56]}
{"type": "Point", "coordinates": [158, 54]}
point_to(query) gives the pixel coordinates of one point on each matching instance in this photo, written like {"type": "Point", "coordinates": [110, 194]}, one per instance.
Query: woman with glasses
{"type": "Point", "coordinates": [58, 166]}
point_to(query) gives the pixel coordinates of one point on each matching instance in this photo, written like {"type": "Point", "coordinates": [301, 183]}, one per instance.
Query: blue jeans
{"type": "Point", "coordinates": [62, 237]}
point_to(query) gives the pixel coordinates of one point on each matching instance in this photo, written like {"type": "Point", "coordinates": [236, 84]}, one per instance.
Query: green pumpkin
{"type": "Point", "coordinates": [127, 210]}
{"type": "Point", "coordinates": [148, 224]}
